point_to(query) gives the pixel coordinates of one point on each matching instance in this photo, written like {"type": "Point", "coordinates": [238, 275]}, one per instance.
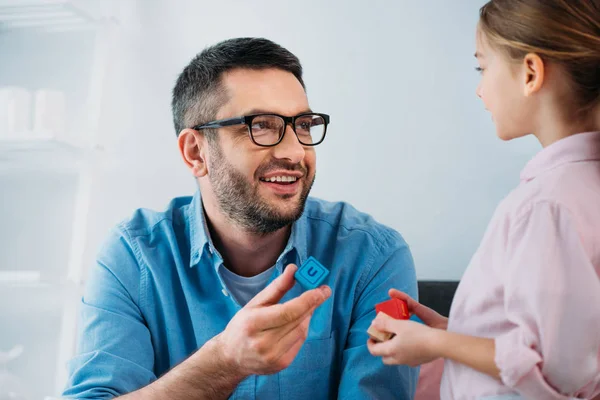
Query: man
{"type": "Point", "coordinates": [200, 301]}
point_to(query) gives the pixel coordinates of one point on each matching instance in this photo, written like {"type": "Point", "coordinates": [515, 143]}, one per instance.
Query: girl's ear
{"type": "Point", "coordinates": [534, 68]}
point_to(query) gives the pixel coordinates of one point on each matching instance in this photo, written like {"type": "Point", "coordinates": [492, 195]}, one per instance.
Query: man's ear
{"type": "Point", "coordinates": [194, 149]}
{"type": "Point", "coordinates": [535, 70]}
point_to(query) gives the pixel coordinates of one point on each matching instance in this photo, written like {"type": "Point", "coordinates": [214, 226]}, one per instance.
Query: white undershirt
{"type": "Point", "coordinates": [243, 289]}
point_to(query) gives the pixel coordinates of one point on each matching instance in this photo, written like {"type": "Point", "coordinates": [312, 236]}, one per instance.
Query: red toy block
{"type": "Point", "coordinates": [395, 308]}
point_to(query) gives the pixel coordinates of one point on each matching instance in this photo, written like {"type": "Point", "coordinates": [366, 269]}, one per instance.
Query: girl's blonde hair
{"type": "Point", "coordinates": [566, 32]}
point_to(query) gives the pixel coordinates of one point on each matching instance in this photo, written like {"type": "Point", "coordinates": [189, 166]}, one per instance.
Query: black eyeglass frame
{"type": "Point", "coordinates": [247, 120]}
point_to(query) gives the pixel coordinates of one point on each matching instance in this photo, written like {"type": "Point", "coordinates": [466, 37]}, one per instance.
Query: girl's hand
{"type": "Point", "coordinates": [413, 344]}
{"type": "Point", "coordinates": [426, 314]}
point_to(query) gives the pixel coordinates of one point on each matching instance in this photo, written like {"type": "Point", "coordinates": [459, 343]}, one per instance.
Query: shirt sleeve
{"type": "Point", "coordinates": [115, 354]}
{"type": "Point", "coordinates": [552, 297]}
{"type": "Point", "coordinates": [364, 376]}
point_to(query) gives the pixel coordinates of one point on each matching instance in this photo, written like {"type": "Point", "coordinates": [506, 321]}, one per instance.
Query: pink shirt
{"type": "Point", "coordinates": [534, 283]}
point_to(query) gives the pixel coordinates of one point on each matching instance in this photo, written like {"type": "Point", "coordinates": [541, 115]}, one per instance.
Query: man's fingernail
{"type": "Point", "coordinates": [291, 269]}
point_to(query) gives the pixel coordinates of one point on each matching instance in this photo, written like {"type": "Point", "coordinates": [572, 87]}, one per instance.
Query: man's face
{"type": "Point", "coordinates": [241, 173]}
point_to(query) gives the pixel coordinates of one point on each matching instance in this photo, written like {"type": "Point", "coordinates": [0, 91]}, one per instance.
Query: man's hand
{"type": "Point", "coordinates": [262, 338]}
{"type": "Point", "coordinates": [265, 337]}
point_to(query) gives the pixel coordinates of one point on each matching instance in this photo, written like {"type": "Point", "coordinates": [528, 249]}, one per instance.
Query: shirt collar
{"type": "Point", "coordinates": [199, 236]}
{"type": "Point", "coordinates": [201, 243]}
{"type": "Point", "coordinates": [297, 242]}
{"type": "Point", "coordinates": [574, 148]}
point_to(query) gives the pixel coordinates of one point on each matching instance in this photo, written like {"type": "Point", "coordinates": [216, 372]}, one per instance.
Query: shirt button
{"type": "Point", "coordinates": [225, 292]}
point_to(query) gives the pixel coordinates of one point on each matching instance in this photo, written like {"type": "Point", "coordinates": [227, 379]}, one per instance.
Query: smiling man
{"type": "Point", "coordinates": [200, 301]}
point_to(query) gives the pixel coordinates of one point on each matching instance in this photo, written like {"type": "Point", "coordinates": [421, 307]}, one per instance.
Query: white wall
{"type": "Point", "coordinates": [409, 142]}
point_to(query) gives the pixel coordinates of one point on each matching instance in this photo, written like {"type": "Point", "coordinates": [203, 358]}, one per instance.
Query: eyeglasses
{"type": "Point", "coordinates": [267, 130]}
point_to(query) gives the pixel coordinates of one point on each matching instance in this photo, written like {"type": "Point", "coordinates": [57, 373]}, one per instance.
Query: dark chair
{"type": "Point", "coordinates": [437, 295]}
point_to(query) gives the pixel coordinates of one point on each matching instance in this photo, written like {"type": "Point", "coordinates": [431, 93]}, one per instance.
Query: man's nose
{"type": "Point", "coordinates": [289, 148]}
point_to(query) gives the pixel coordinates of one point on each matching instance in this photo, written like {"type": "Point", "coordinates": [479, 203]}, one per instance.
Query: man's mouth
{"type": "Point", "coordinates": [281, 179]}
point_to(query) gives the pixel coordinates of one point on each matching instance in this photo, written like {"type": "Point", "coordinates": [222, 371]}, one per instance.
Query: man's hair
{"type": "Point", "coordinates": [198, 94]}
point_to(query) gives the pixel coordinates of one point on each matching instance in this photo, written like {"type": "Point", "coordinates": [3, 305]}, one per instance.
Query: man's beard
{"type": "Point", "coordinates": [241, 201]}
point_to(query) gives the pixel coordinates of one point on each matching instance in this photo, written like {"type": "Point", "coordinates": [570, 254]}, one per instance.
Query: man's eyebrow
{"type": "Point", "coordinates": [264, 111]}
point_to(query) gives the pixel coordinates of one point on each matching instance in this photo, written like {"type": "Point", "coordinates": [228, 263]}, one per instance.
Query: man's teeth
{"type": "Point", "coordinates": [281, 179]}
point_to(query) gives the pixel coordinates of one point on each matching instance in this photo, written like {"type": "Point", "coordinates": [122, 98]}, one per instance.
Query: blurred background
{"type": "Point", "coordinates": [86, 137]}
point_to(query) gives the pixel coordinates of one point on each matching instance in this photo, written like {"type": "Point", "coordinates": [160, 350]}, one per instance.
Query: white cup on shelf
{"type": "Point", "coordinates": [50, 114]}
{"type": "Point", "coordinates": [15, 112]}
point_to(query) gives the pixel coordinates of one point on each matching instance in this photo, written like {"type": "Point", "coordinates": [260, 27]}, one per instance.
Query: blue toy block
{"type": "Point", "coordinates": [311, 274]}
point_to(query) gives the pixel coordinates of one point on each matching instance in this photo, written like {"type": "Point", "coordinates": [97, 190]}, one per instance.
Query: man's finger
{"type": "Point", "coordinates": [275, 291]}
{"type": "Point", "coordinates": [292, 311]}
{"type": "Point", "coordinates": [294, 336]}
{"type": "Point", "coordinates": [303, 321]}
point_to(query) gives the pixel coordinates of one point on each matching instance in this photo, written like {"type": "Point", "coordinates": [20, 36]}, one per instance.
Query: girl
{"type": "Point", "coordinates": [525, 321]}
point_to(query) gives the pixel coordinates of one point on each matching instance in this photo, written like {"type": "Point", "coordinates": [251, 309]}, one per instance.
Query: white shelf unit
{"type": "Point", "coordinates": [32, 309]}
{"type": "Point", "coordinates": [54, 15]}
{"type": "Point", "coordinates": [35, 153]}
{"type": "Point", "coordinates": [45, 38]}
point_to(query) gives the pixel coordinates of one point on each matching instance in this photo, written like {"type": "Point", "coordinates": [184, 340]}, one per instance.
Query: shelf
{"type": "Point", "coordinates": [52, 15]}
{"type": "Point", "coordinates": [27, 301]}
{"type": "Point", "coordinates": [31, 152]}
{"type": "Point", "coordinates": [37, 328]}
{"type": "Point", "coordinates": [20, 278]}
{"type": "Point", "coordinates": [20, 298]}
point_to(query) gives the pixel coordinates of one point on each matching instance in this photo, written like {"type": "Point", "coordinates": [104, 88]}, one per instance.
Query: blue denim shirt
{"type": "Point", "coordinates": [155, 296]}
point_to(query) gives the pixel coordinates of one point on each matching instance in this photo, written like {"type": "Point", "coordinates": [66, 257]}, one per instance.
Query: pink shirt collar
{"type": "Point", "coordinates": [574, 148]}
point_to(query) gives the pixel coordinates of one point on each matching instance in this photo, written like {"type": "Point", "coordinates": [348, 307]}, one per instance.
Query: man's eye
{"type": "Point", "coordinates": [262, 125]}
